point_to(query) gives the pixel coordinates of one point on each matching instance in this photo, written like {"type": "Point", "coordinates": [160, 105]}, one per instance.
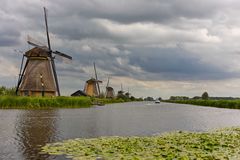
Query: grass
{"type": "Point", "coordinates": [218, 144]}
{"type": "Point", "coordinates": [232, 104]}
{"type": "Point", "coordinates": [109, 101]}
{"type": "Point", "coordinates": [17, 102]}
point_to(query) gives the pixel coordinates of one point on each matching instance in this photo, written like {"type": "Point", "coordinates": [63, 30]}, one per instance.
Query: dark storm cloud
{"type": "Point", "coordinates": [126, 11]}
{"type": "Point", "coordinates": [69, 70]}
{"type": "Point", "coordinates": [176, 64]}
{"type": "Point", "coordinates": [68, 28]}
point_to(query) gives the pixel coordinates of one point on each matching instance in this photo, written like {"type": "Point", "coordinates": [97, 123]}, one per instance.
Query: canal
{"type": "Point", "coordinates": [23, 132]}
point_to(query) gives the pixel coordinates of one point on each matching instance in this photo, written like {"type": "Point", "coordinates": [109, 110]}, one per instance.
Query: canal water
{"type": "Point", "coordinates": [23, 132]}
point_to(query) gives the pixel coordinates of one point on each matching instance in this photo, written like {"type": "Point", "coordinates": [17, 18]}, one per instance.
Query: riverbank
{"type": "Point", "coordinates": [231, 104]}
{"type": "Point", "coordinates": [219, 144]}
{"type": "Point", "coordinates": [17, 102]}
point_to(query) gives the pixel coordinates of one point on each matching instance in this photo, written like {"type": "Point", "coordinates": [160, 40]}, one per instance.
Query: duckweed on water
{"type": "Point", "coordinates": [219, 144]}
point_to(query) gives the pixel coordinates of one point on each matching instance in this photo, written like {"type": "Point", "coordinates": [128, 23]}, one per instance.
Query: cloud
{"type": "Point", "coordinates": [7, 68]}
{"type": "Point", "coordinates": [153, 34]}
{"type": "Point", "coordinates": [142, 42]}
{"type": "Point", "coordinates": [177, 64]}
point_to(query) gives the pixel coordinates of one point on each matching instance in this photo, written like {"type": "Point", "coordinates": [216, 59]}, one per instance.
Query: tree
{"type": "Point", "coordinates": [121, 95]}
{"type": "Point", "coordinates": [4, 91]}
{"type": "Point", "coordinates": [205, 96]}
{"type": "Point", "coordinates": [149, 99]}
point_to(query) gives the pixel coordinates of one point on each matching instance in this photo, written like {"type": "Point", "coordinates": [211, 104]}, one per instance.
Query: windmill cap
{"type": "Point", "coordinates": [37, 52]}
{"type": "Point", "coordinates": [93, 80]}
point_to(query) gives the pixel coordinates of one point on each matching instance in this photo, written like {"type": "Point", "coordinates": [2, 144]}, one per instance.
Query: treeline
{"type": "Point", "coordinates": [205, 100]}
{"type": "Point", "coordinates": [204, 96]}
{"type": "Point", "coordinates": [4, 91]}
{"type": "Point", "coordinates": [232, 104]}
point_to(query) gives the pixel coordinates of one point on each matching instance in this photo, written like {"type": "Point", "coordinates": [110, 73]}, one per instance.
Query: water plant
{"type": "Point", "coordinates": [218, 144]}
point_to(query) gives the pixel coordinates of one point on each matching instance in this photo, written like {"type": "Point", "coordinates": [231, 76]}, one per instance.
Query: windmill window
{"type": "Point", "coordinates": [26, 93]}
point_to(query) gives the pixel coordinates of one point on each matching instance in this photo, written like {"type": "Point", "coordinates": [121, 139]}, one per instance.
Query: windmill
{"type": "Point", "coordinates": [38, 77]}
{"type": "Point", "coordinates": [92, 85]}
{"type": "Point", "coordinates": [120, 93]}
{"type": "Point", "coordinates": [109, 91]}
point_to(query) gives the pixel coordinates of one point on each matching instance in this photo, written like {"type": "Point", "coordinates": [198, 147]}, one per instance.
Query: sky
{"type": "Point", "coordinates": [153, 48]}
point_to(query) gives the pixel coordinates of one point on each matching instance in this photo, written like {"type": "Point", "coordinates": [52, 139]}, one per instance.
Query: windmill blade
{"type": "Point", "coordinates": [21, 77]}
{"type": "Point", "coordinates": [50, 53]}
{"type": "Point", "coordinates": [20, 71]}
{"type": "Point", "coordinates": [108, 82]}
{"type": "Point", "coordinates": [96, 78]}
{"type": "Point", "coordinates": [34, 42]}
{"type": "Point", "coordinates": [62, 54]}
{"type": "Point", "coordinates": [46, 23]}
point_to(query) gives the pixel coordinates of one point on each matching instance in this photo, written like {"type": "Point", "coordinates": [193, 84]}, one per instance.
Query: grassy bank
{"type": "Point", "coordinates": [232, 104]}
{"type": "Point", "coordinates": [16, 102]}
{"type": "Point", "coordinates": [220, 144]}
{"type": "Point", "coordinates": [109, 101]}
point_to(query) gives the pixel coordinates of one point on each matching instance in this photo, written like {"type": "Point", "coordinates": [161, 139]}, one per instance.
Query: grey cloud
{"type": "Point", "coordinates": [142, 10]}
{"type": "Point", "coordinates": [9, 33]}
{"type": "Point", "coordinates": [75, 22]}
{"type": "Point", "coordinates": [177, 64]}
{"type": "Point", "coordinates": [78, 29]}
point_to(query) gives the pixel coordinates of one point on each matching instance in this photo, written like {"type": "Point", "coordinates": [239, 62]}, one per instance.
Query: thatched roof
{"type": "Point", "coordinates": [36, 67]}
{"type": "Point", "coordinates": [93, 80]}
{"type": "Point", "coordinates": [37, 52]}
{"type": "Point", "coordinates": [109, 88]}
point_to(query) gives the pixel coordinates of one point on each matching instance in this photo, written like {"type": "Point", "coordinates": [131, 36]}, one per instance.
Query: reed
{"type": "Point", "coordinates": [232, 104]}
{"type": "Point", "coordinates": [15, 102]}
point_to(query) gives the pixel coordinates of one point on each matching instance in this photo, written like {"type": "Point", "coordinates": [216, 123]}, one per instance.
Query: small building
{"type": "Point", "coordinates": [79, 93]}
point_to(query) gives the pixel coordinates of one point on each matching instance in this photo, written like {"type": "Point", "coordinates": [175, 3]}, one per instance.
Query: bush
{"type": "Point", "coordinates": [205, 96]}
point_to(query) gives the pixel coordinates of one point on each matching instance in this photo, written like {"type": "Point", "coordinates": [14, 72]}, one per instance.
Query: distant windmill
{"type": "Point", "coordinates": [120, 93]}
{"type": "Point", "coordinates": [92, 85]}
{"type": "Point", "coordinates": [38, 77]}
{"type": "Point", "coordinates": [109, 91]}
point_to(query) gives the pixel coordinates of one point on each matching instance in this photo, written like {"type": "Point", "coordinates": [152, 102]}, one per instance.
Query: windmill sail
{"type": "Point", "coordinates": [96, 78]}
{"type": "Point", "coordinates": [34, 42]}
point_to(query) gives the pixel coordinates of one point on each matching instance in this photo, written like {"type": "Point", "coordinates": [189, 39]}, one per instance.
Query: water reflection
{"type": "Point", "coordinates": [34, 129]}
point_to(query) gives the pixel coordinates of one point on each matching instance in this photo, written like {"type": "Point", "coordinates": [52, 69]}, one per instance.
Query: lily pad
{"type": "Point", "coordinates": [217, 144]}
